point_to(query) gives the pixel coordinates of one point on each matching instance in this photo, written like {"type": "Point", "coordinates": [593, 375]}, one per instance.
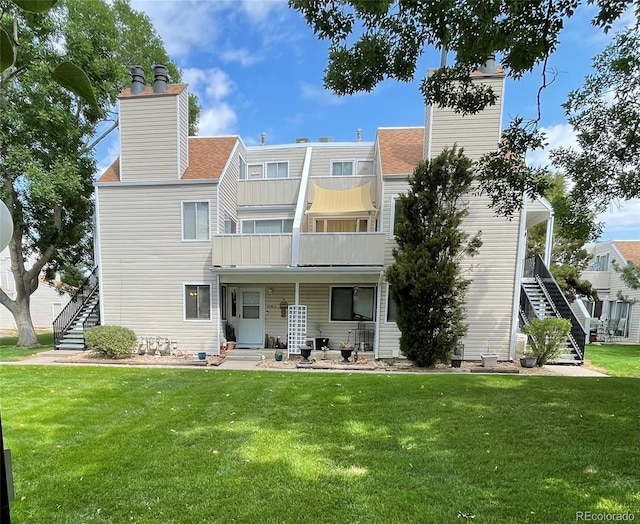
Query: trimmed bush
{"type": "Point", "coordinates": [111, 341]}
{"type": "Point", "coordinates": [548, 337]}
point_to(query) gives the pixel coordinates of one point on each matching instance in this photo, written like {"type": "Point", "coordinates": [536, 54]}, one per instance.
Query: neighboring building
{"type": "Point", "coordinates": [617, 301]}
{"type": "Point", "coordinates": [287, 241]}
{"type": "Point", "coordinates": [46, 302]}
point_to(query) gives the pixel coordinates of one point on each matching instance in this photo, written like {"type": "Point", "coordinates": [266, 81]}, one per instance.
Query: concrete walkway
{"type": "Point", "coordinates": [62, 358]}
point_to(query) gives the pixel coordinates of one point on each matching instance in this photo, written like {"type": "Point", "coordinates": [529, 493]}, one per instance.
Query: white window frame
{"type": "Point", "coordinates": [362, 160]}
{"type": "Point", "coordinates": [182, 223]}
{"type": "Point", "coordinates": [262, 171]}
{"type": "Point", "coordinates": [353, 287]}
{"type": "Point", "coordinates": [392, 215]}
{"type": "Point", "coordinates": [351, 161]}
{"type": "Point", "coordinates": [265, 171]}
{"type": "Point", "coordinates": [603, 266]}
{"type": "Point", "coordinates": [254, 220]}
{"type": "Point", "coordinates": [184, 302]}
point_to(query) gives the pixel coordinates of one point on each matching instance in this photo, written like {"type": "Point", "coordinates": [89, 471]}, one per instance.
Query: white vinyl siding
{"type": "Point", "coordinates": [149, 123]}
{"type": "Point", "coordinates": [144, 271]}
{"type": "Point", "coordinates": [242, 169]}
{"type": "Point", "coordinates": [183, 130]}
{"type": "Point", "coordinates": [324, 156]}
{"type": "Point", "coordinates": [196, 220]}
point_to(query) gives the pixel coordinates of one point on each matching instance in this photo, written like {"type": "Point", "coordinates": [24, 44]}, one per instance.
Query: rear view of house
{"type": "Point", "coordinates": [202, 237]}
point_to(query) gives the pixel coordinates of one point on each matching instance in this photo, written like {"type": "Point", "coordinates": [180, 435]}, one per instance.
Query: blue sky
{"type": "Point", "coordinates": [257, 67]}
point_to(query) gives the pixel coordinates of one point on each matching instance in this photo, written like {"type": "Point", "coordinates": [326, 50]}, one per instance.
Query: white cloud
{"type": "Point", "coordinates": [319, 95]}
{"type": "Point", "coordinates": [209, 83]}
{"type": "Point", "coordinates": [241, 55]}
{"type": "Point", "coordinates": [260, 11]}
{"type": "Point", "coordinates": [559, 135]}
{"type": "Point", "coordinates": [621, 221]}
{"type": "Point", "coordinates": [219, 119]}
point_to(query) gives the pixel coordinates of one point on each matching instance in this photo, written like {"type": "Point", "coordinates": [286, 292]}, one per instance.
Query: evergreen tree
{"type": "Point", "coordinates": [426, 280]}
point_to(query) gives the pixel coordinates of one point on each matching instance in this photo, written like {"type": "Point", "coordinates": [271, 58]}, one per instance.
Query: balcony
{"type": "Point", "coordinates": [276, 191]}
{"type": "Point", "coordinates": [342, 249]}
{"type": "Point", "coordinates": [251, 250]}
{"type": "Point", "coordinates": [601, 280]}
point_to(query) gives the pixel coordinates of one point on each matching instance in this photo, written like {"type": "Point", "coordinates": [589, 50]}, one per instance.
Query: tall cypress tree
{"type": "Point", "coordinates": [426, 280]}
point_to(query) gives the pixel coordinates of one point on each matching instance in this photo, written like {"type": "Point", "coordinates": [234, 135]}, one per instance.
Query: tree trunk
{"type": "Point", "coordinates": [22, 315]}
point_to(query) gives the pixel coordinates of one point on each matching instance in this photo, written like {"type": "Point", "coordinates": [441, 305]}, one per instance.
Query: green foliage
{"type": "Point", "coordinates": [606, 117]}
{"type": "Point", "coordinates": [570, 282]}
{"type": "Point", "coordinates": [548, 337]}
{"type": "Point", "coordinates": [111, 341]}
{"type": "Point", "coordinates": [629, 273]}
{"type": "Point", "coordinates": [426, 280]}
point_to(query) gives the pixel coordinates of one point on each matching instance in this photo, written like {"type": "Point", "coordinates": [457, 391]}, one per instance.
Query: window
{"type": "Point", "coordinates": [242, 168]}
{"type": "Point", "coordinates": [396, 216]}
{"type": "Point", "coordinates": [267, 227]}
{"type": "Point", "coordinates": [277, 169]}
{"type": "Point", "coordinates": [392, 307]}
{"type": "Point", "coordinates": [352, 303]}
{"type": "Point", "coordinates": [223, 302]}
{"type": "Point", "coordinates": [342, 168]}
{"type": "Point", "coordinates": [255, 170]}
{"type": "Point", "coordinates": [195, 221]}
{"type": "Point", "coordinates": [229, 226]}
{"type": "Point", "coordinates": [197, 302]}
{"type": "Point", "coordinates": [602, 263]}
{"type": "Point", "coordinates": [351, 225]}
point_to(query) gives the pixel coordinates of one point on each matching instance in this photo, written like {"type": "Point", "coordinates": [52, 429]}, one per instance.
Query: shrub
{"type": "Point", "coordinates": [111, 341]}
{"type": "Point", "coordinates": [548, 337]}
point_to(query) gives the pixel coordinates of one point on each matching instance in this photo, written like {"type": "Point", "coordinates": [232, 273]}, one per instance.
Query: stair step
{"type": "Point", "coordinates": [63, 345]}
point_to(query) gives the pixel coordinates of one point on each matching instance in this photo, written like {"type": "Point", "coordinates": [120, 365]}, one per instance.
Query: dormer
{"type": "Point", "coordinates": [154, 128]}
{"type": "Point", "coordinates": [477, 134]}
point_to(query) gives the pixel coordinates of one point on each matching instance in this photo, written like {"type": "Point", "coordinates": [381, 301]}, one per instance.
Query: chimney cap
{"type": "Point", "coordinates": [161, 78]}
{"type": "Point", "coordinates": [137, 79]}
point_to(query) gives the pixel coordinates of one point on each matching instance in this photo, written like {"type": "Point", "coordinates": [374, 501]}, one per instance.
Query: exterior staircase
{"type": "Point", "coordinates": [81, 313]}
{"type": "Point", "coordinates": [541, 297]}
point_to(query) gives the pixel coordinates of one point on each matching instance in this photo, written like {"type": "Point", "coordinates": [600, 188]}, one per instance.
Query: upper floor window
{"type": "Point", "coordinates": [342, 168]}
{"type": "Point", "coordinates": [392, 307]}
{"type": "Point", "coordinates": [396, 215]}
{"type": "Point", "coordinates": [242, 168]}
{"type": "Point", "coordinates": [277, 169]}
{"type": "Point", "coordinates": [229, 226]}
{"type": "Point", "coordinates": [267, 227]}
{"type": "Point", "coordinates": [352, 303]}
{"type": "Point", "coordinates": [602, 263]}
{"type": "Point", "coordinates": [197, 302]}
{"type": "Point", "coordinates": [195, 221]}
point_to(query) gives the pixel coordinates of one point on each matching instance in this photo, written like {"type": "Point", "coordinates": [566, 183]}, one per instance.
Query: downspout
{"type": "Point", "coordinates": [548, 246]}
{"type": "Point", "coordinates": [376, 340]}
{"type": "Point", "coordinates": [219, 322]}
{"type": "Point", "coordinates": [98, 257]}
{"type": "Point", "coordinates": [517, 280]}
{"type": "Point", "coordinates": [300, 208]}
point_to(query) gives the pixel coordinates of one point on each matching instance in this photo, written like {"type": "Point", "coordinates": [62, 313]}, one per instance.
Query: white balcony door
{"type": "Point", "coordinates": [250, 332]}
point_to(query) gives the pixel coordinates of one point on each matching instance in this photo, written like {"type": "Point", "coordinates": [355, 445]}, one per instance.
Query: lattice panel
{"type": "Point", "coordinates": [297, 324]}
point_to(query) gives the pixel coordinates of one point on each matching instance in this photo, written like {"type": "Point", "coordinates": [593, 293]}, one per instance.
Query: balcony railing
{"type": "Point", "coordinates": [342, 249]}
{"type": "Point", "coordinates": [601, 280]}
{"type": "Point", "coordinates": [251, 250]}
{"type": "Point", "coordinates": [272, 191]}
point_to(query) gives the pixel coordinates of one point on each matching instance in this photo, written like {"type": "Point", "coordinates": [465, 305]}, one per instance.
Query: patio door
{"type": "Point", "coordinates": [250, 332]}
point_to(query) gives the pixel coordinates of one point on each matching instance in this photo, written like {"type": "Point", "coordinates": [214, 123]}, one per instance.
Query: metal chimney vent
{"type": "Point", "coordinates": [489, 67]}
{"type": "Point", "coordinates": [303, 140]}
{"type": "Point", "coordinates": [358, 135]}
{"type": "Point", "coordinates": [263, 138]}
{"type": "Point", "coordinates": [325, 139]}
{"type": "Point", "coordinates": [137, 80]}
{"type": "Point", "coordinates": [161, 80]}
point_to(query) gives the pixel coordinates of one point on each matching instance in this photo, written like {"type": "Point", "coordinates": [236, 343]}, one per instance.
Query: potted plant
{"type": "Point", "coordinates": [345, 349]}
{"type": "Point", "coordinates": [278, 355]}
{"type": "Point", "coordinates": [305, 351]}
{"type": "Point", "coordinates": [548, 337]}
{"type": "Point", "coordinates": [230, 335]}
{"type": "Point", "coordinates": [457, 356]}
{"type": "Point", "coordinates": [528, 361]}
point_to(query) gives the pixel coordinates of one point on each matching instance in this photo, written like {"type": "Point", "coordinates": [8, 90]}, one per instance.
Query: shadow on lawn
{"type": "Point", "coordinates": [332, 448]}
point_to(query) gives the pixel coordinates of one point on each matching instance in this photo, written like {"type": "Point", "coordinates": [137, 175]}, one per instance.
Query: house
{"type": "Point", "coordinates": [46, 302]}
{"type": "Point", "coordinates": [618, 303]}
{"type": "Point", "coordinates": [286, 241]}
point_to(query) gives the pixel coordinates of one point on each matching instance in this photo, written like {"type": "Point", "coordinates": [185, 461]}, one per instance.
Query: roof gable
{"type": "Point", "coordinates": [400, 149]}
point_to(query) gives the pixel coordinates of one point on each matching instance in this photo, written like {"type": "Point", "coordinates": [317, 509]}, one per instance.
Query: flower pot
{"type": "Point", "coordinates": [305, 352]}
{"type": "Point", "coordinates": [456, 362]}
{"type": "Point", "coordinates": [528, 362]}
{"type": "Point", "coordinates": [489, 360]}
{"type": "Point", "coordinates": [346, 353]}
{"type": "Point", "coordinates": [202, 355]}
{"type": "Point", "coordinates": [278, 357]}
{"type": "Point", "coordinates": [231, 345]}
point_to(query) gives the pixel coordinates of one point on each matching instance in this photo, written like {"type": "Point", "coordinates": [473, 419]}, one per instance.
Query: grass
{"type": "Point", "coordinates": [618, 360]}
{"type": "Point", "coordinates": [105, 445]}
{"type": "Point", "coordinates": [9, 351]}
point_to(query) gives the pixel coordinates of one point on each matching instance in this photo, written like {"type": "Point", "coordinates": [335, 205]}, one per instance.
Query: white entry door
{"type": "Point", "coordinates": [250, 318]}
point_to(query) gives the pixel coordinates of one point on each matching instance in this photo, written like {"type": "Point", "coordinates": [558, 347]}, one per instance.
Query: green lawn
{"type": "Point", "coordinates": [9, 351]}
{"type": "Point", "coordinates": [113, 445]}
{"type": "Point", "coordinates": [618, 360]}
